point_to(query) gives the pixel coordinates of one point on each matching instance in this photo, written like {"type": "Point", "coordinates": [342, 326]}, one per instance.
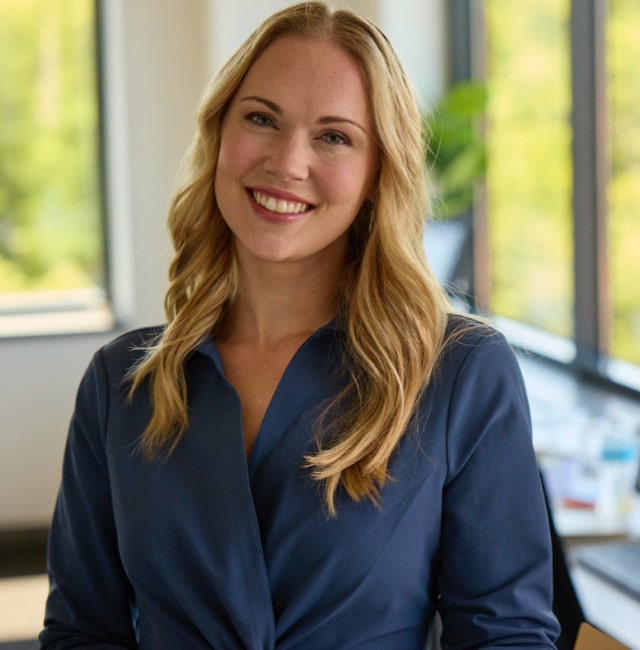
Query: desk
{"type": "Point", "coordinates": [607, 607]}
{"type": "Point", "coordinates": [570, 418]}
{"type": "Point", "coordinates": [603, 604]}
{"type": "Point", "coordinates": [577, 525]}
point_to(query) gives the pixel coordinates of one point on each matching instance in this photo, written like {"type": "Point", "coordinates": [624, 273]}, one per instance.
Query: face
{"type": "Point", "coordinates": [297, 155]}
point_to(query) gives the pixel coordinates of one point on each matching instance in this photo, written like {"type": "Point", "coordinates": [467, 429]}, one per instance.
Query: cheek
{"type": "Point", "coordinates": [234, 165]}
{"type": "Point", "coordinates": [231, 156]}
{"type": "Point", "coordinates": [241, 153]}
{"type": "Point", "coordinates": [350, 185]}
{"type": "Point", "coordinates": [224, 179]}
{"type": "Point", "coordinates": [226, 159]}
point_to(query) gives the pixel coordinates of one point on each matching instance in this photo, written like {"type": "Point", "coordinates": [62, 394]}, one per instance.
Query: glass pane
{"type": "Point", "coordinates": [623, 96]}
{"type": "Point", "coordinates": [529, 186]}
{"type": "Point", "coordinates": [50, 207]}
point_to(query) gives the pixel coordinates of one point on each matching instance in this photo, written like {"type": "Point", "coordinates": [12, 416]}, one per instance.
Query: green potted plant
{"type": "Point", "coordinates": [456, 162]}
{"type": "Point", "coordinates": [456, 154]}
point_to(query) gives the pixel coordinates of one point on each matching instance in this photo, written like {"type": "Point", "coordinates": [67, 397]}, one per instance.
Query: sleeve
{"type": "Point", "coordinates": [90, 602]}
{"type": "Point", "coordinates": [496, 571]}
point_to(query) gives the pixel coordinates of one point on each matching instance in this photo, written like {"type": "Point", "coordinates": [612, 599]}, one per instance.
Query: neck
{"type": "Point", "coordinates": [280, 301]}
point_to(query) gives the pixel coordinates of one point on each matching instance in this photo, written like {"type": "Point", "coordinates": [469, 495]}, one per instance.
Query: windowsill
{"type": "Point", "coordinates": [564, 405]}
{"type": "Point", "coordinates": [619, 374]}
{"type": "Point", "coordinates": [82, 321]}
{"type": "Point", "coordinates": [529, 338]}
{"type": "Point", "coordinates": [46, 313]}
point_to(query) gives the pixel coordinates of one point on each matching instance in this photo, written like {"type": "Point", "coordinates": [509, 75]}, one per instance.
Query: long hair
{"type": "Point", "coordinates": [390, 304]}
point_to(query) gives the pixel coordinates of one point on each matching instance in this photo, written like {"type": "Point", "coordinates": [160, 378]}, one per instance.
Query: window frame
{"type": "Point", "coordinates": [64, 315]}
{"type": "Point", "coordinates": [586, 354]}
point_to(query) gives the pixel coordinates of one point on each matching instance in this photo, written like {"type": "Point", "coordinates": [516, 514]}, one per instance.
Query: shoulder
{"type": "Point", "coordinates": [104, 381]}
{"type": "Point", "coordinates": [141, 337]}
{"type": "Point", "coordinates": [465, 334]}
{"type": "Point", "coordinates": [120, 354]}
{"type": "Point", "coordinates": [475, 350]}
{"type": "Point", "coordinates": [480, 393]}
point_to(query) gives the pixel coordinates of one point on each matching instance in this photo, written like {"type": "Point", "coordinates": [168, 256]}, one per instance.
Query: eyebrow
{"type": "Point", "coordinates": [328, 119]}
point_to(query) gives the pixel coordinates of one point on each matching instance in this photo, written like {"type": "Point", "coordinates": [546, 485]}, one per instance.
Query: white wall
{"type": "Point", "coordinates": [417, 30]}
{"type": "Point", "coordinates": [231, 22]}
{"type": "Point", "coordinates": [156, 65]}
{"type": "Point", "coordinates": [159, 55]}
{"type": "Point", "coordinates": [415, 27]}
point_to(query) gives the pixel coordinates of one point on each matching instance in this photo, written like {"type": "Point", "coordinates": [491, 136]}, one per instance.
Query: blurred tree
{"type": "Point", "coordinates": [623, 97]}
{"type": "Point", "coordinates": [50, 222]}
{"type": "Point", "coordinates": [529, 187]}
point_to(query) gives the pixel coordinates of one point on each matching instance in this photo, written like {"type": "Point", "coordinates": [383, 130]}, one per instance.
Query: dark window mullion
{"type": "Point", "coordinates": [589, 181]}
{"type": "Point", "coordinates": [460, 41]}
{"type": "Point", "coordinates": [466, 61]}
{"type": "Point", "coordinates": [100, 45]}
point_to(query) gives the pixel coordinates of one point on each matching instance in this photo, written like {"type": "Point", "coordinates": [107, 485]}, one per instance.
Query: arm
{"type": "Point", "coordinates": [496, 576]}
{"type": "Point", "coordinates": [90, 600]}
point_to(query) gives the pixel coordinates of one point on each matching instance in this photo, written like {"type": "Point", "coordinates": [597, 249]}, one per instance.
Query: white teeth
{"type": "Point", "coordinates": [279, 205]}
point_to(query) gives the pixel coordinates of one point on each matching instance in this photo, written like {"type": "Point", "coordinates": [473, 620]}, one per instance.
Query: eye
{"type": "Point", "coordinates": [260, 119]}
{"type": "Point", "coordinates": [334, 138]}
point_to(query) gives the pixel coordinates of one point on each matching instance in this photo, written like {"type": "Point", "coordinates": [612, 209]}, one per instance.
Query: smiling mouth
{"type": "Point", "coordinates": [279, 206]}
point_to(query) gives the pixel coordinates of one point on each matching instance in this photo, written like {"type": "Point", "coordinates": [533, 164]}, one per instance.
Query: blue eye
{"type": "Point", "coordinates": [333, 138]}
{"type": "Point", "coordinates": [260, 119]}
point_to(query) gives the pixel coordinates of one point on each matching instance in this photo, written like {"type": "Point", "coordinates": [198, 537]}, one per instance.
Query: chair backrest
{"type": "Point", "coordinates": [566, 605]}
{"type": "Point", "coordinates": [590, 638]}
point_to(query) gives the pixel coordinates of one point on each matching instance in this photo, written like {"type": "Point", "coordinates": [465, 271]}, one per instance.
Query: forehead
{"type": "Point", "coordinates": [295, 68]}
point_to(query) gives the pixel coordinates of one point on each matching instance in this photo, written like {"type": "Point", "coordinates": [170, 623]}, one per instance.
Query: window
{"type": "Point", "coordinates": [52, 261]}
{"type": "Point", "coordinates": [528, 182]}
{"type": "Point", "coordinates": [623, 195]}
{"type": "Point", "coordinates": [557, 228]}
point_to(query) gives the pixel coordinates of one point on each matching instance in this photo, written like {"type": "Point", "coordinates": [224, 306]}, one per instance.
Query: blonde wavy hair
{"type": "Point", "coordinates": [390, 305]}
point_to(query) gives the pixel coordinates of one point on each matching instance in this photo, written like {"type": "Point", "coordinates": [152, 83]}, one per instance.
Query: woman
{"type": "Point", "coordinates": [313, 453]}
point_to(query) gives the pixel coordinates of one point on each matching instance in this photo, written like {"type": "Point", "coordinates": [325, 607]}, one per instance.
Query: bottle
{"type": "Point", "coordinates": [617, 477]}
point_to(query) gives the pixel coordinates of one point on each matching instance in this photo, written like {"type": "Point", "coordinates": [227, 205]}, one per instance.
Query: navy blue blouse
{"type": "Point", "coordinates": [204, 549]}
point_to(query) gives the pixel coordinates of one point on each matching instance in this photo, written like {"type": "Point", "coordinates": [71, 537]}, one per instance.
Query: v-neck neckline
{"type": "Point", "coordinates": [263, 443]}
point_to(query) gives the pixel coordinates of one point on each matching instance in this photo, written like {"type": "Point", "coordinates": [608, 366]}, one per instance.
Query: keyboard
{"type": "Point", "coordinates": [618, 562]}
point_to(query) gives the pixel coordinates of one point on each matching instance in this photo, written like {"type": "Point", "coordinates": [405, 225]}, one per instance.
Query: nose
{"type": "Point", "coordinates": [289, 158]}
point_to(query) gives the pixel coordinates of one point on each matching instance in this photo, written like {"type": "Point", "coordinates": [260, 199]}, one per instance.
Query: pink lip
{"type": "Point", "coordinates": [280, 194]}
{"type": "Point", "coordinates": [275, 217]}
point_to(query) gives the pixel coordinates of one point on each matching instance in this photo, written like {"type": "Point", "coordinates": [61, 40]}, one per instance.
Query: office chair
{"type": "Point", "coordinates": [566, 605]}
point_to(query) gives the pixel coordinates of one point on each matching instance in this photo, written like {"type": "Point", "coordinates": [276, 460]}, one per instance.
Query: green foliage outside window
{"type": "Point", "coordinates": [50, 222]}
{"type": "Point", "coordinates": [529, 187]}
{"type": "Point", "coordinates": [529, 168]}
{"type": "Point", "coordinates": [623, 193]}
